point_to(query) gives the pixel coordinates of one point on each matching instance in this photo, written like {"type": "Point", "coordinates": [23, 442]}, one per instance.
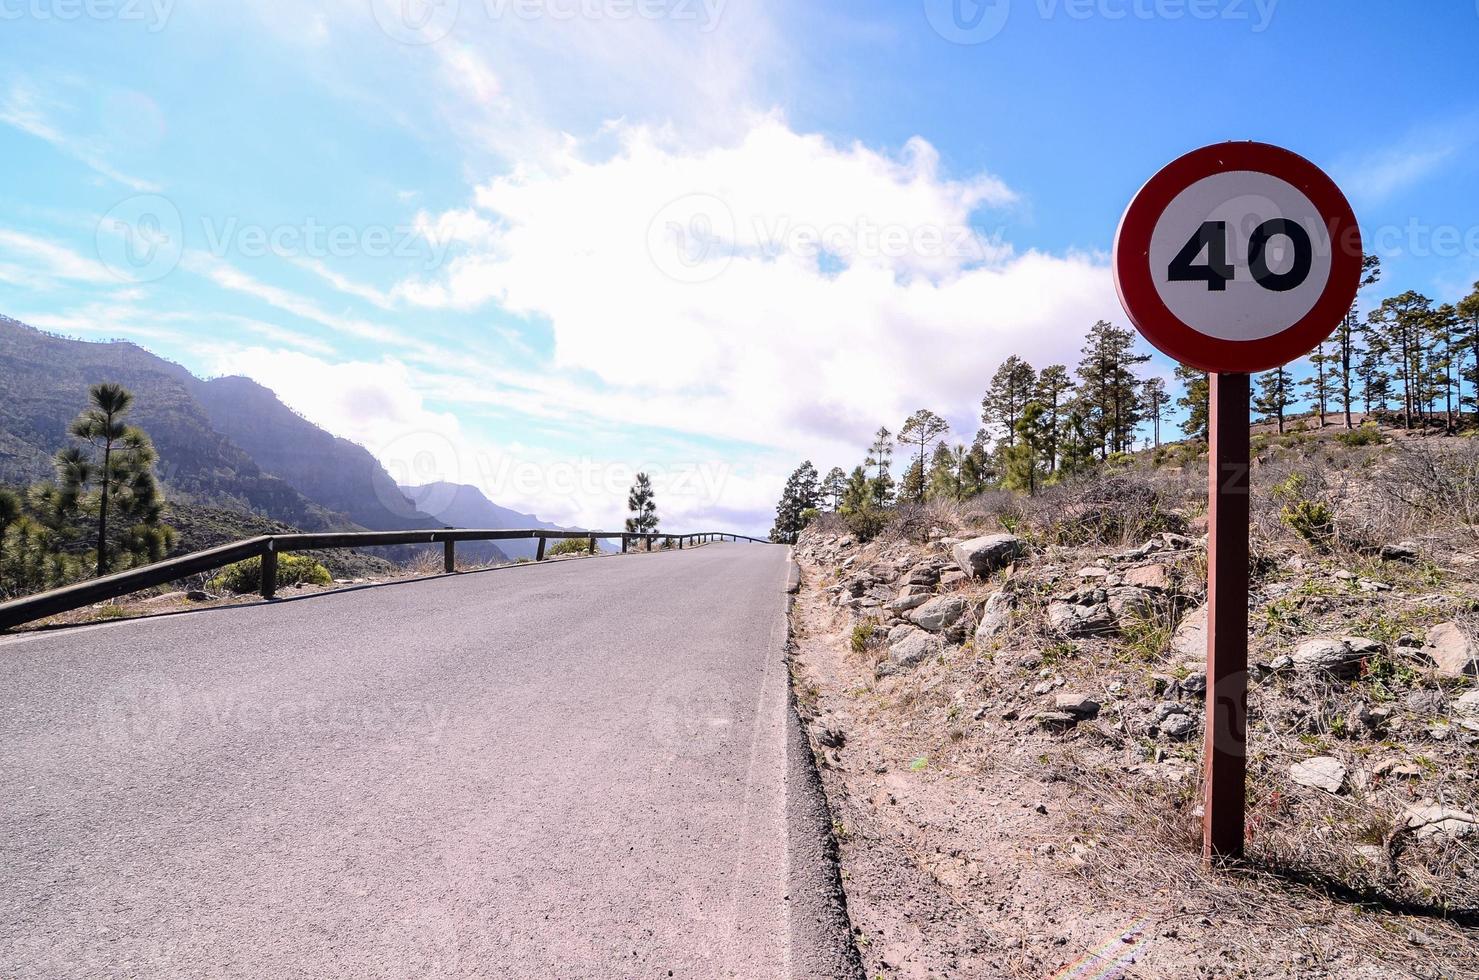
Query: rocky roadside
{"type": "Point", "coordinates": [1009, 737]}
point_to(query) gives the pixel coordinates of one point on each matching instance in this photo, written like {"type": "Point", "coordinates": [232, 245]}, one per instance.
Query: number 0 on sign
{"type": "Point", "coordinates": [1237, 258]}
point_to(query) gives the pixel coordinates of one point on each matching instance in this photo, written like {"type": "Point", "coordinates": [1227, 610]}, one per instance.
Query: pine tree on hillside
{"type": "Point", "coordinates": [1155, 405]}
{"type": "Point", "coordinates": [1196, 399]}
{"type": "Point", "coordinates": [1054, 390]}
{"type": "Point", "coordinates": [1468, 314]}
{"type": "Point", "coordinates": [1012, 387]}
{"type": "Point", "coordinates": [1319, 384]}
{"type": "Point", "coordinates": [855, 496]}
{"type": "Point", "coordinates": [834, 486]}
{"type": "Point", "coordinates": [911, 490]}
{"type": "Point", "coordinates": [923, 429]}
{"type": "Point", "coordinates": [799, 496]}
{"type": "Point", "coordinates": [944, 474]}
{"type": "Point", "coordinates": [1274, 396]}
{"type": "Point", "coordinates": [1346, 360]}
{"type": "Point", "coordinates": [1022, 459]}
{"type": "Point", "coordinates": [1400, 323]}
{"type": "Point", "coordinates": [1442, 354]}
{"type": "Point", "coordinates": [1108, 389]}
{"type": "Point", "coordinates": [113, 475]}
{"type": "Point", "coordinates": [643, 504]}
{"type": "Point", "coordinates": [880, 453]}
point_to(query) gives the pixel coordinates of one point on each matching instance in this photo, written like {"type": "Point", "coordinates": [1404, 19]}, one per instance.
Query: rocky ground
{"type": "Point", "coordinates": [1010, 737]}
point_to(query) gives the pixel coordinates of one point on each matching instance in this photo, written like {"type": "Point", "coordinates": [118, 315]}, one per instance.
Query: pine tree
{"type": "Point", "coordinates": [1023, 457]}
{"type": "Point", "coordinates": [1196, 399]}
{"type": "Point", "coordinates": [855, 495]}
{"type": "Point", "coordinates": [944, 473]}
{"type": "Point", "coordinates": [1468, 313]}
{"type": "Point", "coordinates": [1319, 384]}
{"type": "Point", "coordinates": [115, 479]}
{"type": "Point", "coordinates": [1400, 322]}
{"type": "Point", "coordinates": [1273, 398]}
{"type": "Point", "coordinates": [921, 429]}
{"type": "Point", "coordinates": [1346, 333]}
{"type": "Point", "coordinates": [880, 453]}
{"type": "Point", "coordinates": [643, 505]}
{"type": "Point", "coordinates": [1054, 390]}
{"type": "Point", "coordinates": [834, 486]}
{"type": "Point", "coordinates": [797, 498]}
{"type": "Point", "coordinates": [911, 490]}
{"type": "Point", "coordinates": [1012, 387]}
{"type": "Point", "coordinates": [1108, 388]}
{"type": "Point", "coordinates": [1155, 403]}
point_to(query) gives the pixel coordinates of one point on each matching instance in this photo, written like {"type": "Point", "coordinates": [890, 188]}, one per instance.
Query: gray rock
{"type": "Point", "coordinates": [952, 575]}
{"type": "Point", "coordinates": [1452, 650]}
{"type": "Point", "coordinates": [1363, 647]}
{"type": "Point", "coordinates": [1154, 577]}
{"type": "Point", "coordinates": [1401, 551]}
{"type": "Point", "coordinates": [1194, 683]}
{"type": "Point", "coordinates": [900, 631]}
{"type": "Point", "coordinates": [996, 615]}
{"type": "Point", "coordinates": [1190, 638]}
{"type": "Point", "coordinates": [1322, 772]}
{"type": "Point", "coordinates": [906, 603]}
{"type": "Point", "coordinates": [1178, 727]}
{"type": "Point", "coordinates": [1131, 603]}
{"type": "Point", "coordinates": [1467, 705]}
{"type": "Point", "coordinates": [199, 595]}
{"type": "Point", "coordinates": [910, 651]}
{"type": "Point", "coordinates": [979, 557]}
{"type": "Point", "coordinates": [1327, 657]}
{"type": "Point", "coordinates": [940, 613]}
{"type": "Point", "coordinates": [922, 575]}
{"type": "Point", "coordinates": [1432, 821]}
{"type": "Point", "coordinates": [1056, 720]}
{"type": "Point", "coordinates": [1072, 619]}
{"type": "Point", "coordinates": [1078, 705]}
{"type": "Point", "coordinates": [1424, 704]}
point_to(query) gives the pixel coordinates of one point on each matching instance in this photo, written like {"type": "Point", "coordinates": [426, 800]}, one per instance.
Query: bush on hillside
{"type": "Point", "coordinates": [569, 546]}
{"type": "Point", "coordinates": [246, 576]}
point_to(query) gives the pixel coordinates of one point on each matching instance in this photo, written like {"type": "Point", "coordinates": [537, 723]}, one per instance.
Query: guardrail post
{"type": "Point", "coordinates": [624, 542]}
{"type": "Point", "coordinates": [269, 571]}
{"type": "Point", "coordinates": [449, 557]}
{"type": "Point", "coordinates": [539, 554]}
{"type": "Point", "coordinates": [649, 543]}
{"type": "Point", "coordinates": [591, 545]}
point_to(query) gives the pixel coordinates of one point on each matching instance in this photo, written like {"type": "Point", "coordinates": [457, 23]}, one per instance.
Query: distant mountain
{"type": "Point", "coordinates": [459, 505]}
{"type": "Point", "coordinates": [228, 443]}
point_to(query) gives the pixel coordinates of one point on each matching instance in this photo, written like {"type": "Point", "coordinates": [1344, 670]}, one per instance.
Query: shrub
{"type": "Point", "coordinates": [246, 576]}
{"type": "Point", "coordinates": [866, 522]}
{"type": "Point", "coordinates": [570, 546]}
{"type": "Point", "coordinates": [1365, 435]}
{"type": "Point", "coordinates": [1311, 520]}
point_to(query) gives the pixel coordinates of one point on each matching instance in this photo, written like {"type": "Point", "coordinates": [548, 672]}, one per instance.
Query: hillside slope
{"type": "Point", "coordinates": [459, 505]}
{"type": "Point", "coordinates": [43, 385]}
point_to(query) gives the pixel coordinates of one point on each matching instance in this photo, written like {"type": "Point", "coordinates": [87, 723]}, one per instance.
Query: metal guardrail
{"type": "Point", "coordinates": [268, 547]}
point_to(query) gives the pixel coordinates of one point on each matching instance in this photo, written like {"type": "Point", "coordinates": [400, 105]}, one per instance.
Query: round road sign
{"type": "Point", "coordinates": [1237, 258]}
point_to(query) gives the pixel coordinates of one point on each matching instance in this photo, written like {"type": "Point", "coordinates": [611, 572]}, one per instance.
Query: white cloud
{"type": "Point", "coordinates": [41, 261]}
{"type": "Point", "coordinates": [23, 107]}
{"type": "Point", "coordinates": [743, 329]}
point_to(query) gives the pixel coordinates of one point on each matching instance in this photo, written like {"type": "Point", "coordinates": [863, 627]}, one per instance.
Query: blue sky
{"type": "Point", "coordinates": [535, 244]}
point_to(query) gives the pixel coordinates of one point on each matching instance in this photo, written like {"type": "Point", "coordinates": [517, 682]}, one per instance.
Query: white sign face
{"type": "Point", "coordinates": [1240, 255]}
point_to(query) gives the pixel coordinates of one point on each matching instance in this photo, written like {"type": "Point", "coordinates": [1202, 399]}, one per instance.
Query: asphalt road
{"type": "Point", "coordinates": [577, 769]}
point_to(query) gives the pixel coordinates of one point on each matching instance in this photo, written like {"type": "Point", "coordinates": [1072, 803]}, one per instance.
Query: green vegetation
{"type": "Point", "coordinates": [643, 505]}
{"type": "Point", "coordinates": [569, 546]}
{"type": "Point", "coordinates": [102, 512]}
{"type": "Point", "coordinates": [246, 576]}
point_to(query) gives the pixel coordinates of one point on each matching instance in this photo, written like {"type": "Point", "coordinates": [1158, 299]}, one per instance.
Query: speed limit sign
{"type": "Point", "coordinates": [1237, 257]}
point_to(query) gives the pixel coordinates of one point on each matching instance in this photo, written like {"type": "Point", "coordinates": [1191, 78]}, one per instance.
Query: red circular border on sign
{"type": "Point", "coordinates": [1173, 337]}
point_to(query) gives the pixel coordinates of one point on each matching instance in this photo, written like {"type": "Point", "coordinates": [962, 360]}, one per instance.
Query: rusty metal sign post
{"type": "Point", "coordinates": [1235, 258]}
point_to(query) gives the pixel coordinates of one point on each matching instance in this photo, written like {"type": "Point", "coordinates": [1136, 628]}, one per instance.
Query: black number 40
{"type": "Point", "coordinates": [1217, 273]}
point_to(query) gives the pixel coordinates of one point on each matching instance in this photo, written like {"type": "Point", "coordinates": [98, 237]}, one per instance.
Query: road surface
{"type": "Point", "coordinates": [576, 769]}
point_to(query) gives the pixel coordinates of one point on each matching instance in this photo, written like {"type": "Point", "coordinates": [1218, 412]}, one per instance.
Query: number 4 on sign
{"type": "Point", "coordinates": [1216, 272]}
